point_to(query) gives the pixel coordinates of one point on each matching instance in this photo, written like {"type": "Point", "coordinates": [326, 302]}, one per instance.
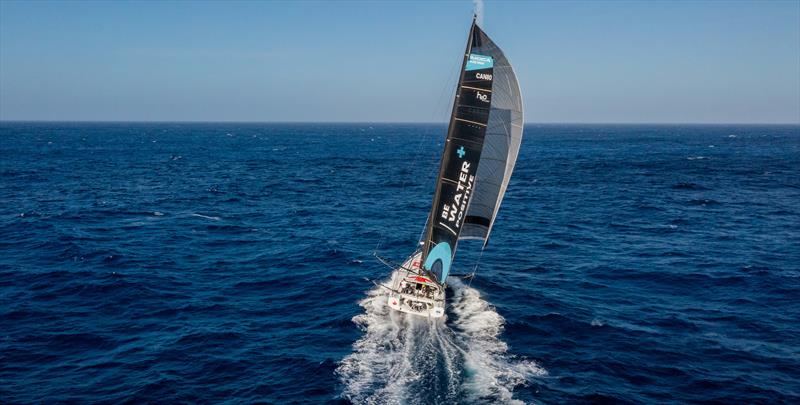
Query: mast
{"type": "Point", "coordinates": [455, 185]}
{"type": "Point", "coordinates": [480, 150]}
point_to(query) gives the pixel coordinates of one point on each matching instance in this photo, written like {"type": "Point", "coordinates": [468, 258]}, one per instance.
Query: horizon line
{"type": "Point", "coordinates": [381, 122]}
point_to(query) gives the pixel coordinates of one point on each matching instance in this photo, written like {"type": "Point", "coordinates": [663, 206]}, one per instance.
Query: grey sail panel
{"type": "Point", "coordinates": [500, 148]}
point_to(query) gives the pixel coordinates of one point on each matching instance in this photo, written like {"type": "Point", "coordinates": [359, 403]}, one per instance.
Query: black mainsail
{"type": "Point", "coordinates": [480, 151]}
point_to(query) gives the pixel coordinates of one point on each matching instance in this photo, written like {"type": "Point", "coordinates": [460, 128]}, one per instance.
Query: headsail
{"type": "Point", "coordinates": [500, 146]}
{"type": "Point", "coordinates": [479, 154]}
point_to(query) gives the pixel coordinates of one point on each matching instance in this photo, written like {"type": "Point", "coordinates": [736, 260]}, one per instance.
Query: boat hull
{"type": "Point", "coordinates": [414, 293]}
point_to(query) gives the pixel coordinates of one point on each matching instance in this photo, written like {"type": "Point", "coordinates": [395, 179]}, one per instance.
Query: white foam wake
{"type": "Point", "coordinates": [493, 372]}
{"type": "Point", "coordinates": [408, 359]}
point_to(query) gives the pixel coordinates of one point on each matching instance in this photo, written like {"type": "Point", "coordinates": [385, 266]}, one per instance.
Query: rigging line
{"type": "Point", "coordinates": [477, 263]}
{"type": "Point", "coordinates": [415, 163]}
{"type": "Point", "coordinates": [406, 180]}
{"type": "Point", "coordinates": [422, 140]}
{"type": "Point", "coordinates": [450, 130]}
{"type": "Point", "coordinates": [418, 158]}
{"type": "Point", "coordinates": [447, 89]}
{"type": "Point", "coordinates": [436, 113]}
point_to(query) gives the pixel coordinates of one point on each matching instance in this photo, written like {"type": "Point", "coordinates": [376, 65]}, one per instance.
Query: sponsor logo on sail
{"type": "Point", "coordinates": [482, 96]}
{"type": "Point", "coordinates": [483, 76]}
{"type": "Point", "coordinates": [476, 62]}
{"type": "Point", "coordinates": [453, 211]}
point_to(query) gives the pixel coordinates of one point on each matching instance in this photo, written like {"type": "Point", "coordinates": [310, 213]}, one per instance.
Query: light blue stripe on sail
{"type": "Point", "coordinates": [476, 62]}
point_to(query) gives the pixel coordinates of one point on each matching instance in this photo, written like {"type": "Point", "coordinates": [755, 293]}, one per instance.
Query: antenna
{"type": "Point", "coordinates": [477, 12]}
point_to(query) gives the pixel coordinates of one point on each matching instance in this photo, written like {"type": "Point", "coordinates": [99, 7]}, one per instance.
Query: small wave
{"type": "Point", "coordinates": [552, 245]}
{"type": "Point", "coordinates": [698, 157]}
{"type": "Point", "coordinates": [688, 186]}
{"type": "Point", "coordinates": [206, 217]}
{"type": "Point", "coordinates": [406, 359]}
{"type": "Point", "coordinates": [703, 202]}
{"type": "Point", "coordinates": [307, 180]}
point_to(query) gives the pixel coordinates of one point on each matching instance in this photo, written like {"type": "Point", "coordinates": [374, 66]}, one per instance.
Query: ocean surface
{"type": "Point", "coordinates": [232, 263]}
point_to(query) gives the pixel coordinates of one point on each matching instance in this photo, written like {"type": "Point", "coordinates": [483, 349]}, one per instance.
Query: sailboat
{"type": "Point", "coordinates": [483, 140]}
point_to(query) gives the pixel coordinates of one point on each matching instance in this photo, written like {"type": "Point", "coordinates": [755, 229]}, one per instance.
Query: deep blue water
{"type": "Point", "coordinates": [229, 263]}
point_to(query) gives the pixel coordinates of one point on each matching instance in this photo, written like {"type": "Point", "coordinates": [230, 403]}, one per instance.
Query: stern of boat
{"type": "Point", "coordinates": [414, 293]}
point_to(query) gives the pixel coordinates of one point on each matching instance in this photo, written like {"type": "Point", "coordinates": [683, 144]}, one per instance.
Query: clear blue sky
{"type": "Point", "coordinates": [619, 61]}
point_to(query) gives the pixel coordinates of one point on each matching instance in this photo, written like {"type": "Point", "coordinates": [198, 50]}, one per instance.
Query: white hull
{"type": "Point", "coordinates": [414, 293]}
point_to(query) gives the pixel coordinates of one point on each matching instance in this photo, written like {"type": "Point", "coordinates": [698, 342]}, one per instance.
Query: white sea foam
{"type": "Point", "coordinates": [206, 217]}
{"type": "Point", "coordinates": [408, 359]}
{"type": "Point", "coordinates": [493, 373]}
{"type": "Point", "coordinates": [379, 366]}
